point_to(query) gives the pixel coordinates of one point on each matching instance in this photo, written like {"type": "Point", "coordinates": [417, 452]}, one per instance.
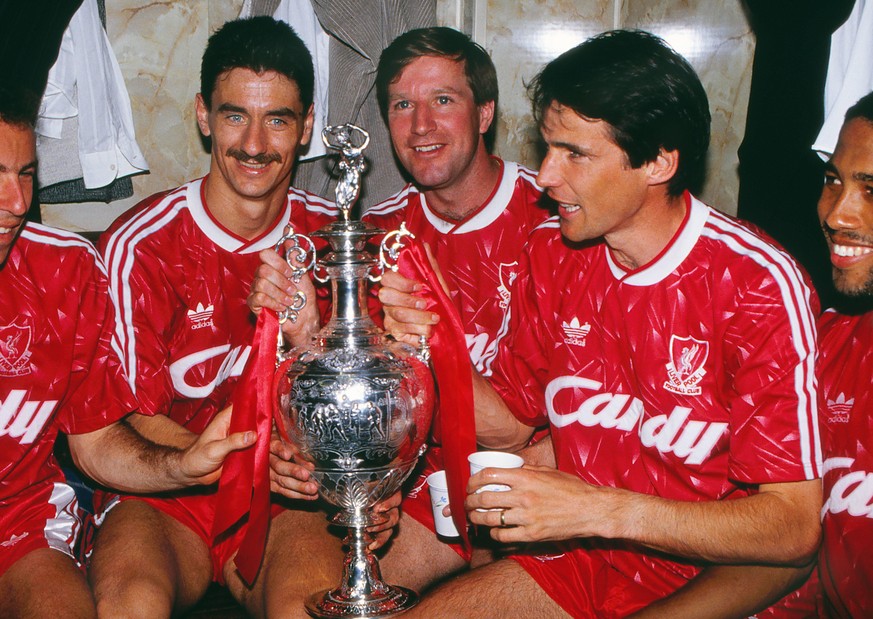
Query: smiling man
{"type": "Point", "coordinates": [438, 92]}
{"type": "Point", "coordinates": [60, 373]}
{"type": "Point", "coordinates": [669, 347]}
{"type": "Point", "coordinates": [181, 265]}
{"type": "Point", "coordinates": [845, 210]}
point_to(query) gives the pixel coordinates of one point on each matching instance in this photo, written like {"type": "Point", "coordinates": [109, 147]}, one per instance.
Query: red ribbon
{"type": "Point", "coordinates": [455, 422]}
{"type": "Point", "coordinates": [244, 489]}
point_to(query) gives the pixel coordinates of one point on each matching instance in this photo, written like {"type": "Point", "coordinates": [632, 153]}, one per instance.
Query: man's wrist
{"type": "Point", "coordinates": [172, 463]}
{"type": "Point", "coordinates": [620, 512]}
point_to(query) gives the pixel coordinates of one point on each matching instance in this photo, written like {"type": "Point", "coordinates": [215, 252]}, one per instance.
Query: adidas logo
{"type": "Point", "coordinates": [574, 333]}
{"type": "Point", "coordinates": [839, 409]}
{"type": "Point", "coordinates": [13, 540]}
{"type": "Point", "coordinates": [201, 316]}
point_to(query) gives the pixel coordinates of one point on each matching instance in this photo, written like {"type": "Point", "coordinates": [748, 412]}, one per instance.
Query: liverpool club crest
{"type": "Point", "coordinates": [15, 350]}
{"type": "Point", "coordinates": [687, 358]}
{"type": "Point", "coordinates": [507, 274]}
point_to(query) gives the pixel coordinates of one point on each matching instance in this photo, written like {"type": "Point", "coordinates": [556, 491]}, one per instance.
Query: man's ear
{"type": "Point", "coordinates": [486, 116]}
{"type": "Point", "coordinates": [663, 167]}
{"type": "Point", "coordinates": [308, 120]}
{"type": "Point", "coordinates": [202, 114]}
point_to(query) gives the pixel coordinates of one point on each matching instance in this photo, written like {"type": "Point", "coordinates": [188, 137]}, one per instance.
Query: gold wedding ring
{"type": "Point", "coordinates": [502, 517]}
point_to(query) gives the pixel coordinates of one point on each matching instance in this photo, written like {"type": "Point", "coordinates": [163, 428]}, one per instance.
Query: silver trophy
{"type": "Point", "coordinates": [354, 403]}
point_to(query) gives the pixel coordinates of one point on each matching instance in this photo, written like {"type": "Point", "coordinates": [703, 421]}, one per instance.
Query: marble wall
{"type": "Point", "coordinates": [714, 37]}
{"type": "Point", "coordinates": [158, 44]}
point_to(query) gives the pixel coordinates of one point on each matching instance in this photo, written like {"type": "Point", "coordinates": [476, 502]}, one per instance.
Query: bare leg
{"type": "Point", "coordinates": [416, 558]}
{"type": "Point", "coordinates": [303, 556]}
{"type": "Point", "coordinates": [500, 589]}
{"type": "Point", "coordinates": [46, 583]}
{"type": "Point", "coordinates": [146, 564]}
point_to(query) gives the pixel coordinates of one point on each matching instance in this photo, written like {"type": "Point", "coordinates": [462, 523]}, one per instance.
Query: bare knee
{"type": "Point", "coordinates": [46, 583]}
{"type": "Point", "coordinates": [126, 587]}
{"type": "Point", "coordinates": [145, 564]}
{"type": "Point", "coordinates": [303, 555]}
{"type": "Point", "coordinates": [417, 558]}
{"type": "Point", "coordinates": [500, 589]}
{"type": "Point", "coordinates": [141, 599]}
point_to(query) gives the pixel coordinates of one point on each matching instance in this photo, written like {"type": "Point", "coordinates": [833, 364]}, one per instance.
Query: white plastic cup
{"type": "Point", "coordinates": [439, 498]}
{"type": "Point", "coordinates": [493, 459]}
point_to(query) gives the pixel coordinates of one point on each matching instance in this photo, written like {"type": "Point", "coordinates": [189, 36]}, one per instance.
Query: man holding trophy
{"type": "Point", "coordinates": [181, 265]}
{"type": "Point", "coordinates": [438, 93]}
{"type": "Point", "coordinates": [684, 427]}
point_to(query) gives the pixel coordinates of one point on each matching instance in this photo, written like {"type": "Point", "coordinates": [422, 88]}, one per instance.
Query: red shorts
{"type": "Point", "coordinates": [417, 504]}
{"type": "Point", "coordinates": [587, 585]}
{"type": "Point", "coordinates": [45, 516]}
{"type": "Point", "coordinates": [195, 510]}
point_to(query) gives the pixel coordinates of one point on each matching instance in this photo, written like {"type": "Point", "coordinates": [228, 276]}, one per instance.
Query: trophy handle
{"type": "Point", "coordinates": [423, 353]}
{"type": "Point", "coordinates": [300, 255]}
{"type": "Point", "coordinates": [389, 250]}
{"type": "Point", "coordinates": [280, 389]}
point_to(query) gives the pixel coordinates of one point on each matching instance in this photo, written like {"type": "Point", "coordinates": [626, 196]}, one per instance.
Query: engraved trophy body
{"type": "Point", "coordinates": [355, 404]}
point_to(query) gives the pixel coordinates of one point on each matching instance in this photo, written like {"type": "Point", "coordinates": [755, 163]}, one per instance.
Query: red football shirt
{"type": "Point", "coordinates": [180, 282]}
{"type": "Point", "coordinates": [59, 363]}
{"type": "Point", "coordinates": [846, 376]}
{"type": "Point", "coordinates": [690, 378]}
{"type": "Point", "coordinates": [478, 256]}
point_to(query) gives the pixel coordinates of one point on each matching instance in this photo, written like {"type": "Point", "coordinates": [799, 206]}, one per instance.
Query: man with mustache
{"type": "Point", "coordinates": [845, 210]}
{"type": "Point", "coordinates": [181, 265]}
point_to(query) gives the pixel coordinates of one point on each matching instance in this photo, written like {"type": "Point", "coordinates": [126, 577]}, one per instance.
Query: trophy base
{"type": "Point", "coordinates": [331, 604]}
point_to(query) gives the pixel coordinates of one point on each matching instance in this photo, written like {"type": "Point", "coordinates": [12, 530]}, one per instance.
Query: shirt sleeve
{"type": "Point", "coordinates": [520, 372]}
{"type": "Point", "coordinates": [146, 303]}
{"type": "Point", "coordinates": [99, 393]}
{"type": "Point", "coordinates": [770, 354]}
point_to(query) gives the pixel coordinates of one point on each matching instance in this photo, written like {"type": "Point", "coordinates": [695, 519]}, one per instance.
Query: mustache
{"type": "Point", "coordinates": [846, 235]}
{"type": "Point", "coordinates": [260, 158]}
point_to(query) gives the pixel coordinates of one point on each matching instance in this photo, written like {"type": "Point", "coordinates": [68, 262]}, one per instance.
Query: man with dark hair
{"type": "Point", "coordinates": [669, 347]}
{"type": "Point", "coordinates": [438, 93]}
{"type": "Point", "coordinates": [60, 372]}
{"type": "Point", "coordinates": [258, 44]}
{"type": "Point", "coordinates": [181, 265]}
{"type": "Point", "coordinates": [644, 113]}
{"type": "Point", "coordinates": [845, 210]}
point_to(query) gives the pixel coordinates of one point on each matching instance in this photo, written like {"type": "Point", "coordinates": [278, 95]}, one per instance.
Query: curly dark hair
{"type": "Point", "coordinates": [260, 44]}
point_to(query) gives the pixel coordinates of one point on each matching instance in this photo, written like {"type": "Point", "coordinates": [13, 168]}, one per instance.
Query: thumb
{"type": "Point", "coordinates": [220, 449]}
{"type": "Point", "coordinates": [219, 426]}
{"type": "Point", "coordinates": [203, 461]}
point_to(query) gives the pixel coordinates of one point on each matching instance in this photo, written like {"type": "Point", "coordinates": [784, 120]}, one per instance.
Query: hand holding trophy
{"type": "Point", "coordinates": [355, 404]}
